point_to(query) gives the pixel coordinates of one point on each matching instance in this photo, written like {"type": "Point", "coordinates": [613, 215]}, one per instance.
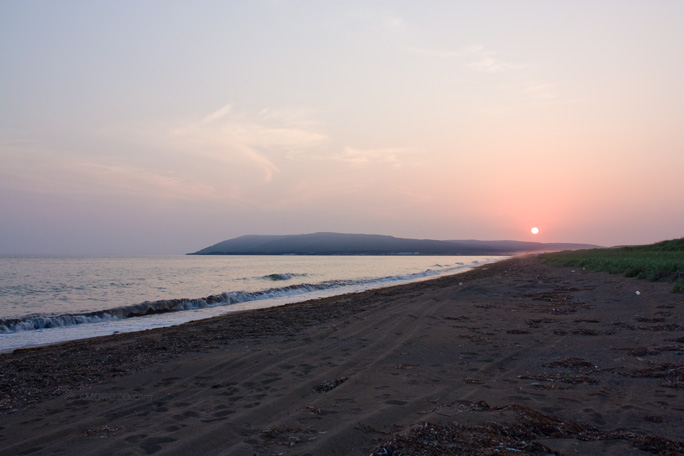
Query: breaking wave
{"type": "Point", "coordinates": [35, 322]}
{"type": "Point", "coordinates": [282, 276]}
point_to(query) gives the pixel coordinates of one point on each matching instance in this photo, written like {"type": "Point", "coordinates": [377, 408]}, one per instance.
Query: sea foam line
{"type": "Point", "coordinates": [35, 322]}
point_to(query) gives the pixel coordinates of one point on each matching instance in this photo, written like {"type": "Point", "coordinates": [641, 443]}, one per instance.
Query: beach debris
{"type": "Point", "coordinates": [536, 323]}
{"type": "Point", "coordinates": [461, 406]}
{"type": "Point", "coordinates": [517, 437]}
{"type": "Point", "coordinates": [329, 385]}
{"type": "Point", "coordinates": [548, 386]}
{"type": "Point", "coordinates": [486, 306]}
{"type": "Point", "coordinates": [671, 373]}
{"type": "Point", "coordinates": [406, 366]}
{"type": "Point", "coordinates": [287, 436]}
{"type": "Point", "coordinates": [314, 410]}
{"type": "Point", "coordinates": [668, 327]}
{"type": "Point", "coordinates": [478, 406]}
{"type": "Point", "coordinates": [559, 311]}
{"type": "Point", "coordinates": [568, 377]}
{"type": "Point", "coordinates": [370, 429]}
{"type": "Point", "coordinates": [102, 431]}
{"type": "Point", "coordinates": [585, 332]}
{"type": "Point", "coordinates": [562, 288]}
{"type": "Point", "coordinates": [575, 363]}
{"type": "Point", "coordinates": [624, 325]}
{"type": "Point", "coordinates": [650, 320]}
{"type": "Point", "coordinates": [459, 318]}
{"type": "Point", "coordinates": [479, 340]}
{"type": "Point", "coordinates": [563, 378]}
{"type": "Point", "coordinates": [649, 351]}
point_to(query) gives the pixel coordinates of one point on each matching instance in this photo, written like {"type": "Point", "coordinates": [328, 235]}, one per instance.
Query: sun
{"type": "Point", "coordinates": [535, 230]}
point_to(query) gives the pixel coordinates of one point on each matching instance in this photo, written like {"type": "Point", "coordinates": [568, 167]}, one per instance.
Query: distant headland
{"type": "Point", "coordinates": [373, 244]}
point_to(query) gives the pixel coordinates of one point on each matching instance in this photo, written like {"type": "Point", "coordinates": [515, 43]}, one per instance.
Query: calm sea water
{"type": "Point", "coordinates": [49, 299]}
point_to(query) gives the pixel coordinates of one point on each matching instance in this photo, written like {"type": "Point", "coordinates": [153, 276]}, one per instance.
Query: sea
{"type": "Point", "coordinates": [57, 298]}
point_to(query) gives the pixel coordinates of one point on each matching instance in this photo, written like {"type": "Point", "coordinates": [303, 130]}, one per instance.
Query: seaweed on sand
{"type": "Point", "coordinates": [672, 373]}
{"type": "Point", "coordinates": [519, 437]}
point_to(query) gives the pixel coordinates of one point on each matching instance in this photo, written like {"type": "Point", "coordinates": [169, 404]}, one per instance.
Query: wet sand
{"type": "Point", "coordinates": [510, 358]}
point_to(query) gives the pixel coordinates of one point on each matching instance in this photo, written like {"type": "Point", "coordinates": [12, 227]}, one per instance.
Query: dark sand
{"type": "Point", "coordinates": [519, 359]}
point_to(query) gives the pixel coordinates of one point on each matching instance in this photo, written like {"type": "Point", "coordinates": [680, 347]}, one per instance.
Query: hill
{"type": "Point", "coordinates": [372, 244]}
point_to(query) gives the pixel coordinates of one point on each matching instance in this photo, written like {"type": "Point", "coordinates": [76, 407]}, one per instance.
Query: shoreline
{"type": "Point", "coordinates": [174, 311]}
{"type": "Point", "coordinates": [352, 373]}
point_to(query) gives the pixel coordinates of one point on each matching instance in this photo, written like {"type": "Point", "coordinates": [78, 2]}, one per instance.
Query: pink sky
{"type": "Point", "coordinates": [160, 127]}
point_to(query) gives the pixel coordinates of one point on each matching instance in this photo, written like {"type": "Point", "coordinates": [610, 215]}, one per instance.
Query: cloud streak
{"type": "Point", "coordinates": [234, 140]}
{"type": "Point", "coordinates": [487, 61]}
{"type": "Point", "coordinates": [216, 115]}
{"type": "Point", "coordinates": [479, 59]}
{"type": "Point", "coordinates": [365, 157]}
{"type": "Point", "coordinates": [225, 156]}
{"type": "Point", "coordinates": [49, 172]}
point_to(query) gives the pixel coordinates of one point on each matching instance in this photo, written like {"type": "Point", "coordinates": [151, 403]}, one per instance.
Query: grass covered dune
{"type": "Point", "coordinates": [660, 262]}
{"type": "Point", "coordinates": [512, 358]}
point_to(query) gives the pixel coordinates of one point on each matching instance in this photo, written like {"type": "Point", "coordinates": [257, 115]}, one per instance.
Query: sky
{"type": "Point", "coordinates": [162, 127]}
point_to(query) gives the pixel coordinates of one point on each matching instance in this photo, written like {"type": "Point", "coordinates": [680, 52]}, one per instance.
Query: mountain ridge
{"type": "Point", "coordinates": [330, 243]}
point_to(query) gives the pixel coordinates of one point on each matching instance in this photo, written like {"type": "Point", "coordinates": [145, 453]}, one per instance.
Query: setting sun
{"type": "Point", "coordinates": [535, 230]}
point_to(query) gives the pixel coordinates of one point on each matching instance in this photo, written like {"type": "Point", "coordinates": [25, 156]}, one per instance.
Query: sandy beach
{"type": "Point", "coordinates": [511, 358]}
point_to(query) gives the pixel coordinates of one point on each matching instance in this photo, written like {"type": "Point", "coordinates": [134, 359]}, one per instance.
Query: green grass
{"type": "Point", "coordinates": [660, 262]}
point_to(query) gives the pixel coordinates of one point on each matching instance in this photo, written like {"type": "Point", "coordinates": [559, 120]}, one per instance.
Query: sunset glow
{"type": "Point", "coordinates": [535, 230]}
{"type": "Point", "coordinates": [435, 120]}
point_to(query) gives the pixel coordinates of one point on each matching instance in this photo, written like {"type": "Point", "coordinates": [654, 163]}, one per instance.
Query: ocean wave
{"type": "Point", "coordinates": [33, 322]}
{"type": "Point", "coordinates": [282, 276]}
{"type": "Point", "coordinates": [36, 322]}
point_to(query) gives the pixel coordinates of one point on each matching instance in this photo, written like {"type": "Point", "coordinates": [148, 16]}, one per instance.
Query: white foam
{"type": "Point", "coordinates": [104, 326]}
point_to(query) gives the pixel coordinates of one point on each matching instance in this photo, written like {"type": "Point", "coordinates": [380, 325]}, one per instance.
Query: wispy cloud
{"type": "Point", "coordinates": [243, 140]}
{"type": "Point", "coordinates": [225, 157]}
{"type": "Point", "coordinates": [127, 179]}
{"type": "Point", "coordinates": [540, 90]}
{"type": "Point", "coordinates": [36, 169]}
{"type": "Point", "coordinates": [216, 115]}
{"type": "Point", "coordinates": [482, 59]}
{"type": "Point", "coordinates": [479, 59]}
{"type": "Point", "coordinates": [437, 53]}
{"type": "Point", "coordinates": [314, 189]}
{"type": "Point", "coordinates": [214, 157]}
{"type": "Point", "coordinates": [365, 157]}
{"type": "Point", "coordinates": [354, 157]}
